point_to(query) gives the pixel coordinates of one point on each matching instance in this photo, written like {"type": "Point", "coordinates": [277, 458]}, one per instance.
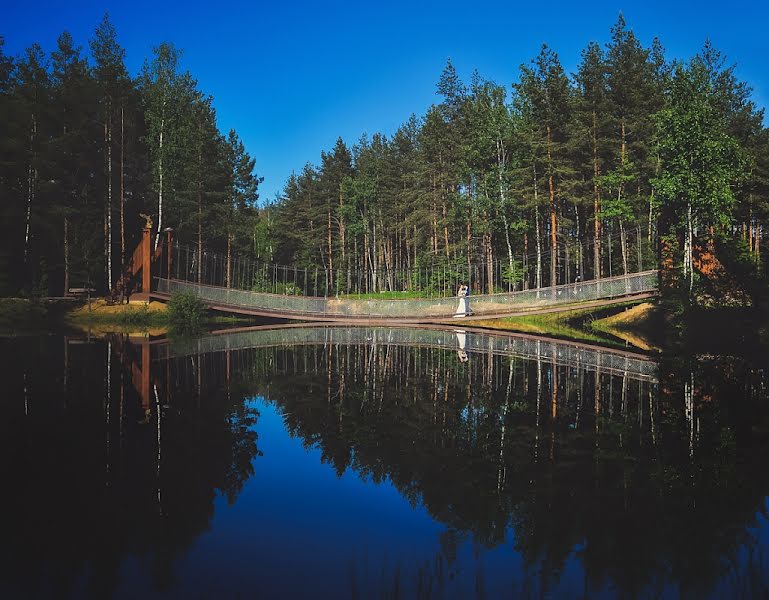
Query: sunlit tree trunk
{"type": "Point", "coordinates": [122, 185]}
{"type": "Point", "coordinates": [108, 140]}
{"type": "Point", "coordinates": [66, 255]}
{"type": "Point", "coordinates": [553, 218]}
{"type": "Point", "coordinates": [538, 276]}
{"type": "Point", "coordinates": [596, 204]}
{"type": "Point", "coordinates": [31, 185]}
{"type": "Point", "coordinates": [160, 180]}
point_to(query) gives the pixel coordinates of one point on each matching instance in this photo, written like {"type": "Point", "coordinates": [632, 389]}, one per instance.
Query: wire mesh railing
{"type": "Point", "coordinates": [429, 275]}
{"type": "Point", "coordinates": [414, 308]}
{"type": "Point", "coordinates": [561, 353]}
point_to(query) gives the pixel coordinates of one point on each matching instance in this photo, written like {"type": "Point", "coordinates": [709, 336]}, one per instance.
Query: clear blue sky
{"type": "Point", "coordinates": [291, 77]}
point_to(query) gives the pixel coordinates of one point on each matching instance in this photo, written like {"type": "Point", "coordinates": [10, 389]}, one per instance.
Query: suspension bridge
{"type": "Point", "coordinates": [229, 287]}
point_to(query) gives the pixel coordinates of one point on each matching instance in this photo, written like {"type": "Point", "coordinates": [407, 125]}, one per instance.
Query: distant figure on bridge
{"type": "Point", "coordinates": [463, 309]}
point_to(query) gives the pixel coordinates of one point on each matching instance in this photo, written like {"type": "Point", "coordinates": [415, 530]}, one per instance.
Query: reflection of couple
{"type": "Point", "coordinates": [461, 340]}
{"type": "Point", "coordinates": [463, 309]}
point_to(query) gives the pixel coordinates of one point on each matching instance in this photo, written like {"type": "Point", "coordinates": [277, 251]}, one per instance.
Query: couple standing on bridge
{"type": "Point", "coordinates": [463, 310]}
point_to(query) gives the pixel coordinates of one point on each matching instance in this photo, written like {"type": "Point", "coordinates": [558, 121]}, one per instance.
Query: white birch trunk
{"type": "Point", "coordinates": [31, 179]}
{"type": "Point", "coordinates": [160, 185]}
{"type": "Point", "coordinates": [539, 237]}
{"type": "Point", "coordinates": [66, 256]}
{"type": "Point", "coordinates": [109, 197]}
{"type": "Point", "coordinates": [122, 187]}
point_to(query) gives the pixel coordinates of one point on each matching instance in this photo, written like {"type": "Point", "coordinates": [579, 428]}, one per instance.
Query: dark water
{"type": "Point", "coordinates": [326, 463]}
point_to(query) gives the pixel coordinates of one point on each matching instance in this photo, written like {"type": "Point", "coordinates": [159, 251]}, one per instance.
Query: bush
{"type": "Point", "coordinates": [17, 314]}
{"type": "Point", "coordinates": [185, 312]}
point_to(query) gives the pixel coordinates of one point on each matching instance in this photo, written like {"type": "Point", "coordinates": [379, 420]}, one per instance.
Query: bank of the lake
{"type": "Point", "coordinates": [617, 325]}
{"type": "Point", "coordinates": [24, 316]}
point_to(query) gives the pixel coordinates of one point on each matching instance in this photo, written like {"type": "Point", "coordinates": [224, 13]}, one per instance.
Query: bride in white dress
{"type": "Point", "coordinates": [463, 309]}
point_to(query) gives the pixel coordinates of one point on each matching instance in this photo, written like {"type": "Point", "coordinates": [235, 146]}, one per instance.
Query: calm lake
{"type": "Point", "coordinates": [322, 462]}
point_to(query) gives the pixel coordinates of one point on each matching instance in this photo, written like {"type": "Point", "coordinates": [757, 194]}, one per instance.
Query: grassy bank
{"type": "Point", "coordinates": [22, 316]}
{"type": "Point", "coordinates": [155, 318]}
{"type": "Point", "coordinates": [638, 325]}
{"type": "Point", "coordinates": [103, 317]}
{"type": "Point", "coordinates": [591, 325]}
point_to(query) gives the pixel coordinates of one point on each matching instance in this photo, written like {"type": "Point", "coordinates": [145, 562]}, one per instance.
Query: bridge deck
{"type": "Point", "coordinates": [421, 310]}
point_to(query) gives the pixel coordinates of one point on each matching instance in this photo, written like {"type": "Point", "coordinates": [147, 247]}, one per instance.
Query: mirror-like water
{"type": "Point", "coordinates": [331, 462]}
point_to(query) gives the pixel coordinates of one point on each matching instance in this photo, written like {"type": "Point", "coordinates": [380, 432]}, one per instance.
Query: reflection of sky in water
{"type": "Point", "coordinates": [291, 513]}
{"type": "Point", "coordinates": [296, 529]}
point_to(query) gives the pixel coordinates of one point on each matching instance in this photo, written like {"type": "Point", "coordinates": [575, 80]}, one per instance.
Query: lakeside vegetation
{"type": "Point", "coordinates": [182, 316]}
{"type": "Point", "coordinates": [590, 325]}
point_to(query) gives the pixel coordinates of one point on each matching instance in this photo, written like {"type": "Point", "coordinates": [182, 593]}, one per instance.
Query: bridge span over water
{"type": "Point", "coordinates": [413, 310]}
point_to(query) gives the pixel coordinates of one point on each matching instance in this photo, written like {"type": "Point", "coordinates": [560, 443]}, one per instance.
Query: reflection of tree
{"type": "Point", "coordinates": [647, 490]}
{"type": "Point", "coordinates": [622, 485]}
{"type": "Point", "coordinates": [87, 489]}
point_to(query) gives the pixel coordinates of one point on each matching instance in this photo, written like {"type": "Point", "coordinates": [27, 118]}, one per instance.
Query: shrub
{"type": "Point", "coordinates": [185, 311]}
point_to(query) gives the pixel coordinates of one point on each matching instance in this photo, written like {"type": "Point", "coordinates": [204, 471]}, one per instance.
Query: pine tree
{"type": "Point", "coordinates": [72, 159]}
{"type": "Point", "coordinates": [113, 86]}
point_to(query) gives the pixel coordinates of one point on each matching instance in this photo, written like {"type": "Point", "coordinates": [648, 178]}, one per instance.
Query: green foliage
{"type": "Point", "coordinates": [513, 273]}
{"type": "Point", "coordinates": [701, 162]}
{"type": "Point", "coordinates": [185, 312]}
{"type": "Point", "coordinates": [77, 134]}
{"type": "Point", "coordinates": [19, 314]}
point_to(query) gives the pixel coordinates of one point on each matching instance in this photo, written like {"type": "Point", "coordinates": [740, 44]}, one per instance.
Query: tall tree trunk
{"type": "Point", "coordinates": [538, 275]}
{"type": "Point", "coordinates": [200, 213]}
{"type": "Point", "coordinates": [108, 126]}
{"type": "Point", "coordinates": [31, 184]}
{"type": "Point", "coordinates": [596, 204]}
{"type": "Point", "coordinates": [509, 245]}
{"type": "Point", "coordinates": [446, 228]}
{"type": "Point", "coordinates": [553, 218]}
{"type": "Point", "coordinates": [229, 260]}
{"type": "Point", "coordinates": [122, 185]}
{"type": "Point", "coordinates": [489, 263]}
{"type": "Point", "coordinates": [160, 186]}
{"type": "Point", "coordinates": [501, 163]}
{"type": "Point", "coordinates": [66, 255]}
{"type": "Point", "coordinates": [342, 238]}
{"type": "Point", "coordinates": [623, 243]}
{"type": "Point", "coordinates": [330, 248]}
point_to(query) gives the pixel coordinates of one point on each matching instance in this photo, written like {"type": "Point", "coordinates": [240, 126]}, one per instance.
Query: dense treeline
{"type": "Point", "coordinates": [557, 178]}
{"type": "Point", "coordinates": [86, 149]}
{"type": "Point", "coordinates": [561, 178]}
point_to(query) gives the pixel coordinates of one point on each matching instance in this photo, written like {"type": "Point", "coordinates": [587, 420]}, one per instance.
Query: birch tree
{"type": "Point", "coordinates": [111, 78]}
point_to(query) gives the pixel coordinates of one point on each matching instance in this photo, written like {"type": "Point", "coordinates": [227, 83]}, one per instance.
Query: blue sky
{"type": "Point", "coordinates": [291, 77]}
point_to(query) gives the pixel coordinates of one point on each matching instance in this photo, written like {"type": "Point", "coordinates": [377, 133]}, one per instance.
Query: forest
{"type": "Point", "coordinates": [634, 160]}
{"type": "Point", "coordinates": [86, 150]}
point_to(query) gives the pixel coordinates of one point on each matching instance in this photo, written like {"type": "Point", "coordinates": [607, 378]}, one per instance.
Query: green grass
{"type": "Point", "coordinates": [572, 324]}
{"type": "Point", "coordinates": [141, 318]}
{"type": "Point", "coordinates": [130, 317]}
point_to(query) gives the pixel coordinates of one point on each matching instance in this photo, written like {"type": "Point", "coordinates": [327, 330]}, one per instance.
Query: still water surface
{"type": "Point", "coordinates": [344, 463]}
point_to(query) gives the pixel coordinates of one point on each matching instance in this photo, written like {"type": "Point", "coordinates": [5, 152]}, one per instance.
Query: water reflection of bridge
{"type": "Point", "coordinates": [531, 440]}
{"type": "Point", "coordinates": [562, 353]}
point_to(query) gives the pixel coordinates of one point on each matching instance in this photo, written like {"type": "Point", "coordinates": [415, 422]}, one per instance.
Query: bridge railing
{"type": "Point", "coordinates": [373, 308]}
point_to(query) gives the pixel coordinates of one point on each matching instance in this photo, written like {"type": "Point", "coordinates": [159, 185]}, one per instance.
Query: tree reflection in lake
{"type": "Point", "coordinates": [91, 481]}
{"type": "Point", "coordinates": [586, 469]}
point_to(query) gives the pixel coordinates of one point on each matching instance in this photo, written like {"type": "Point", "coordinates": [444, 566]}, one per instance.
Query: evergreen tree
{"type": "Point", "coordinates": [700, 161]}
